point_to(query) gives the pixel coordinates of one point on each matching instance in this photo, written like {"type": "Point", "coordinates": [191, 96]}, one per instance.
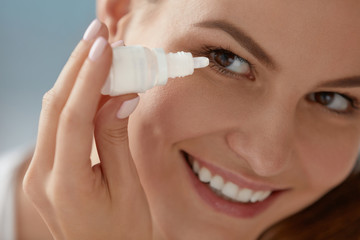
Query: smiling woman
{"type": "Point", "coordinates": [235, 151]}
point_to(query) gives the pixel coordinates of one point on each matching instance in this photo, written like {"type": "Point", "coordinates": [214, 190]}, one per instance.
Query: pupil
{"type": "Point", "coordinates": [224, 59]}
{"type": "Point", "coordinates": [324, 98]}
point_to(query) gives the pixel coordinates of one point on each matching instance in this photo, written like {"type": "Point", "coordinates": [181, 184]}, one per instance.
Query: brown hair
{"type": "Point", "coordinates": [336, 216]}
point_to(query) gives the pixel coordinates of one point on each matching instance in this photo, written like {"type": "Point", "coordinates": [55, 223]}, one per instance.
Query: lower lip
{"type": "Point", "coordinates": [235, 209]}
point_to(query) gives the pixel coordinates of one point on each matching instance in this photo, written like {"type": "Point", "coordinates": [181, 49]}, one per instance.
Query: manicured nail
{"type": "Point", "coordinates": [127, 108]}
{"type": "Point", "coordinates": [92, 30]}
{"type": "Point", "coordinates": [97, 48]}
{"type": "Point", "coordinates": [118, 44]}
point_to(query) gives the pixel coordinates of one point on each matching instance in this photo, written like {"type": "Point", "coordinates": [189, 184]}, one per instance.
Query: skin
{"type": "Point", "coordinates": [273, 133]}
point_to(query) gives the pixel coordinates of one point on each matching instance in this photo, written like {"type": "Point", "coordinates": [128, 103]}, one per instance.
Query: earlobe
{"type": "Point", "coordinates": [110, 12]}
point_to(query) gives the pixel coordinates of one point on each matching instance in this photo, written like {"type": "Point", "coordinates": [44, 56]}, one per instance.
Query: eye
{"type": "Point", "coordinates": [333, 101]}
{"type": "Point", "coordinates": [230, 61]}
{"type": "Point", "coordinates": [227, 63]}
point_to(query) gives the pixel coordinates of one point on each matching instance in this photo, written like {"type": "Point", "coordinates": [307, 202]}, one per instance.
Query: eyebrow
{"type": "Point", "coordinates": [255, 49]}
{"type": "Point", "coordinates": [347, 82]}
{"type": "Point", "coordinates": [243, 39]}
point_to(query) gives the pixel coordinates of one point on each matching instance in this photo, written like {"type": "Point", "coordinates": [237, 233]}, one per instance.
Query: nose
{"type": "Point", "coordinates": [265, 141]}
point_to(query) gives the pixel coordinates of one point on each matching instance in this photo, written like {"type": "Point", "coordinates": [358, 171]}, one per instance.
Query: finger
{"type": "Point", "coordinates": [118, 168]}
{"type": "Point", "coordinates": [55, 99]}
{"type": "Point", "coordinates": [76, 125]}
{"type": "Point", "coordinates": [53, 102]}
{"type": "Point", "coordinates": [111, 137]}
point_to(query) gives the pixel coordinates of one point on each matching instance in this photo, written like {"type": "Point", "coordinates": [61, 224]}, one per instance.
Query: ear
{"type": "Point", "coordinates": [110, 12]}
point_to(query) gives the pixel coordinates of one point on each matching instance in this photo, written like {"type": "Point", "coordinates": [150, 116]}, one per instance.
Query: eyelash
{"type": "Point", "coordinates": [353, 101]}
{"type": "Point", "coordinates": [207, 50]}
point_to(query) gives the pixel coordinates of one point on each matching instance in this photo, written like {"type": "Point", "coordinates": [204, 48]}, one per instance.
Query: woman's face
{"type": "Point", "coordinates": [276, 111]}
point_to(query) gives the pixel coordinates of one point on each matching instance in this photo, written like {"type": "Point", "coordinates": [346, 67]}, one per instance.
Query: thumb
{"type": "Point", "coordinates": [111, 137]}
{"type": "Point", "coordinates": [117, 166]}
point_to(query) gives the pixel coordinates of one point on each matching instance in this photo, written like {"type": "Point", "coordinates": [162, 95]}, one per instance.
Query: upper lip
{"type": "Point", "coordinates": [238, 178]}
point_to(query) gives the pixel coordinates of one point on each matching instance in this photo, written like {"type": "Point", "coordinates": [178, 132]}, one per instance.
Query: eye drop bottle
{"type": "Point", "coordinates": [136, 69]}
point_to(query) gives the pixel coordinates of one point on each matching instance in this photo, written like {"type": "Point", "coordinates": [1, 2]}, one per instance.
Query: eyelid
{"type": "Point", "coordinates": [206, 50]}
{"type": "Point", "coordinates": [352, 99]}
{"type": "Point", "coordinates": [353, 103]}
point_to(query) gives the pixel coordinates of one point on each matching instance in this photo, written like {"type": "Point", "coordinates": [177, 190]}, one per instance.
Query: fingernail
{"type": "Point", "coordinates": [92, 30]}
{"type": "Point", "coordinates": [97, 48]}
{"type": "Point", "coordinates": [127, 108]}
{"type": "Point", "coordinates": [118, 44]}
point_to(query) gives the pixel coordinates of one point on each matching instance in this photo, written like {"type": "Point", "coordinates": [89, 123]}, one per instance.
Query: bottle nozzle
{"type": "Point", "coordinates": [201, 62]}
{"type": "Point", "coordinates": [182, 64]}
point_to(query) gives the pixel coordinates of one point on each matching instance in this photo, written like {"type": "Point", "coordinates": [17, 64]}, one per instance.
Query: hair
{"type": "Point", "coordinates": [335, 216]}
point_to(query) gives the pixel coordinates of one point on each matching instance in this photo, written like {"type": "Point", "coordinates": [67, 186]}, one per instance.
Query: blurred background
{"type": "Point", "coordinates": [36, 38]}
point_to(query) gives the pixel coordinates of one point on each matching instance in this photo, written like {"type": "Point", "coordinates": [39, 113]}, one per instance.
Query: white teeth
{"type": "Point", "coordinates": [244, 195]}
{"type": "Point", "coordinates": [196, 167]}
{"type": "Point", "coordinates": [204, 175]}
{"type": "Point", "coordinates": [256, 196]}
{"type": "Point", "coordinates": [217, 182]}
{"type": "Point", "coordinates": [265, 195]}
{"type": "Point", "coordinates": [228, 189]}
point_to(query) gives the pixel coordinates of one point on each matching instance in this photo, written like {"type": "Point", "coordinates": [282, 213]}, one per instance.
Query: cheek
{"type": "Point", "coordinates": [329, 155]}
{"type": "Point", "coordinates": [183, 109]}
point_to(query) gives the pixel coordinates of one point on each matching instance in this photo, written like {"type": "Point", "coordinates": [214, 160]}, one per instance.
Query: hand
{"type": "Point", "coordinates": [77, 200]}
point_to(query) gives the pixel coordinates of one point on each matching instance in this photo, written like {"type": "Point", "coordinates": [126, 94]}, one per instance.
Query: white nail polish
{"type": "Point", "coordinates": [127, 108]}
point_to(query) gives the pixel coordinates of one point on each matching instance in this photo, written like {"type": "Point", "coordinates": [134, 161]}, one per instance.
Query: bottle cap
{"type": "Point", "coordinates": [182, 64]}
{"type": "Point", "coordinates": [162, 65]}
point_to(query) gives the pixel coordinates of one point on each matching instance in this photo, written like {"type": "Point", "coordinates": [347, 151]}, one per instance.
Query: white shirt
{"type": "Point", "coordinates": [9, 165]}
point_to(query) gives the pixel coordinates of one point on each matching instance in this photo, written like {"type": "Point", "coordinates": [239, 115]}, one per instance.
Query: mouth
{"type": "Point", "coordinates": [229, 193]}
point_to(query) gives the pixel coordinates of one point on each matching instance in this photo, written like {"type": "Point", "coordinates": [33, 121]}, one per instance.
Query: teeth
{"type": "Point", "coordinates": [256, 196]}
{"type": "Point", "coordinates": [228, 190]}
{"type": "Point", "coordinates": [217, 182]}
{"type": "Point", "coordinates": [196, 167]}
{"type": "Point", "coordinates": [244, 195]}
{"type": "Point", "coordinates": [204, 175]}
{"type": "Point", "coordinates": [265, 195]}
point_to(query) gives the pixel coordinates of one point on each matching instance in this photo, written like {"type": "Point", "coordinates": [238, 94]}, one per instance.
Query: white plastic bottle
{"type": "Point", "coordinates": [136, 69]}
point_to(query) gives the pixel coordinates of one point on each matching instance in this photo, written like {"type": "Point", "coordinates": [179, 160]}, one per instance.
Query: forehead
{"type": "Point", "coordinates": [318, 32]}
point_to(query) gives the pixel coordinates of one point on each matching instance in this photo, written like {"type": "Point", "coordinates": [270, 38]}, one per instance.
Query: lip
{"type": "Point", "coordinates": [234, 209]}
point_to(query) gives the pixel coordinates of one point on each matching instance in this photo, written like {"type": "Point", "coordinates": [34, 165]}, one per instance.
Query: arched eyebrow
{"type": "Point", "coordinates": [346, 82]}
{"type": "Point", "coordinates": [243, 39]}
{"type": "Point", "coordinates": [258, 52]}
